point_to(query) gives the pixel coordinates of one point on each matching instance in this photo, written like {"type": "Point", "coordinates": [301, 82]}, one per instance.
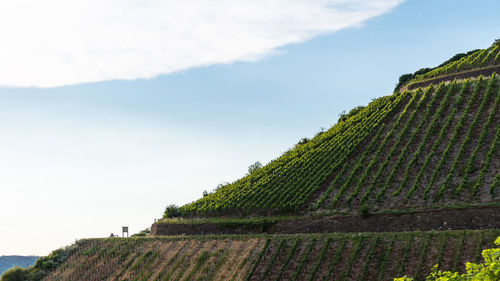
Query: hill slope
{"type": "Point", "coordinates": [426, 159]}
{"type": "Point", "coordinates": [435, 146]}
{"type": "Point", "coordinates": [482, 58]}
{"type": "Point", "coordinates": [274, 257]}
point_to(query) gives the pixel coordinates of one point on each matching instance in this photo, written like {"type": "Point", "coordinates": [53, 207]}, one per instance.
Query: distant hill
{"type": "Point", "coordinates": [7, 262]}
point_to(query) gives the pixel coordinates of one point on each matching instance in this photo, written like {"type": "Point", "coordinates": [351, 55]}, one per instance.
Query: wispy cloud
{"type": "Point", "coordinates": [60, 42]}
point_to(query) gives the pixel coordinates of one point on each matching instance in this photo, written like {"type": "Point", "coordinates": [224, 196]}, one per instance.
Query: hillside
{"type": "Point", "coordinates": [435, 146]}
{"type": "Point", "coordinates": [460, 66]}
{"type": "Point", "coordinates": [409, 181]}
{"type": "Point", "coordinates": [7, 262]}
{"type": "Point", "coordinates": [482, 58]}
{"type": "Point", "coordinates": [365, 256]}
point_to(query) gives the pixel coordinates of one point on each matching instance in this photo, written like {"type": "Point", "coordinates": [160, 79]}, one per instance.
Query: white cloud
{"type": "Point", "coordinates": [60, 42]}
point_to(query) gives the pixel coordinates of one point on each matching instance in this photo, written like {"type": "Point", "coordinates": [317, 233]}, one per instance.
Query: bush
{"type": "Point", "coordinates": [143, 233]}
{"type": "Point", "coordinates": [402, 80]}
{"type": "Point", "coordinates": [343, 115]}
{"type": "Point", "coordinates": [172, 211]}
{"type": "Point", "coordinates": [355, 110]}
{"type": "Point", "coordinates": [422, 71]}
{"type": "Point", "coordinates": [322, 129]}
{"type": "Point", "coordinates": [364, 210]}
{"type": "Point", "coordinates": [220, 185]}
{"type": "Point", "coordinates": [303, 141]}
{"type": "Point", "coordinates": [254, 167]}
{"type": "Point", "coordinates": [443, 68]}
{"type": "Point", "coordinates": [15, 274]}
{"type": "Point", "coordinates": [42, 267]}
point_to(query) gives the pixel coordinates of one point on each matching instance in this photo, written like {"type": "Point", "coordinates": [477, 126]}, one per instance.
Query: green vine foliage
{"type": "Point", "coordinates": [287, 183]}
{"type": "Point", "coordinates": [475, 59]}
{"type": "Point", "coordinates": [411, 144]}
{"type": "Point", "coordinates": [487, 271]}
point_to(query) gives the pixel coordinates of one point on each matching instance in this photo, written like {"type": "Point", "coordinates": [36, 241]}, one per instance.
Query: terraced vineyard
{"type": "Point", "coordinates": [288, 182]}
{"type": "Point", "coordinates": [430, 147]}
{"type": "Point", "coordinates": [274, 257]}
{"type": "Point", "coordinates": [426, 159]}
{"type": "Point", "coordinates": [483, 58]}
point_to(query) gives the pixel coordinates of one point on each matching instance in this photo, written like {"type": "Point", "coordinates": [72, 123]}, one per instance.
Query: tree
{"type": "Point", "coordinates": [42, 266]}
{"type": "Point", "coordinates": [220, 185]}
{"type": "Point", "coordinates": [487, 271]}
{"type": "Point", "coordinates": [303, 141]}
{"type": "Point", "coordinates": [254, 167]}
{"type": "Point", "coordinates": [14, 274]}
{"type": "Point", "coordinates": [322, 130]}
{"type": "Point", "coordinates": [172, 211]}
{"type": "Point", "coordinates": [402, 80]}
{"type": "Point", "coordinates": [143, 233]}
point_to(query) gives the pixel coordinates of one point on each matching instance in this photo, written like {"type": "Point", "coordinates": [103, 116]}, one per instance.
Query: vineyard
{"type": "Point", "coordinates": [365, 256]}
{"type": "Point", "coordinates": [409, 181]}
{"type": "Point", "coordinates": [430, 147]}
{"type": "Point", "coordinates": [478, 59]}
{"type": "Point", "coordinates": [288, 182]}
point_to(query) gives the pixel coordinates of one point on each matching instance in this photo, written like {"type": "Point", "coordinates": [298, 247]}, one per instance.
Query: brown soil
{"type": "Point", "coordinates": [330, 254]}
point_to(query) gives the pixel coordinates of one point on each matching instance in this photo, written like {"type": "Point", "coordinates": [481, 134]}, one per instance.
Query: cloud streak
{"type": "Point", "coordinates": [59, 42]}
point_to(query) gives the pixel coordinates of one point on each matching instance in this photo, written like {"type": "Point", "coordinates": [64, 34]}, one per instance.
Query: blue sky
{"type": "Point", "coordinates": [82, 160]}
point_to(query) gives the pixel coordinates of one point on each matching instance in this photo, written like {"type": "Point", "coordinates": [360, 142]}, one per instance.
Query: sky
{"type": "Point", "coordinates": [111, 110]}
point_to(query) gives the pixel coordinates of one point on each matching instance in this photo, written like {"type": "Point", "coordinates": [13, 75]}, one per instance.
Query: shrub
{"type": "Point", "coordinates": [172, 211]}
{"type": "Point", "coordinates": [343, 115]}
{"type": "Point", "coordinates": [42, 267]}
{"type": "Point", "coordinates": [145, 232]}
{"type": "Point", "coordinates": [402, 80]}
{"type": "Point", "coordinates": [322, 129]}
{"type": "Point", "coordinates": [15, 274]}
{"type": "Point", "coordinates": [254, 167]}
{"type": "Point", "coordinates": [422, 71]}
{"type": "Point", "coordinates": [303, 141]}
{"type": "Point", "coordinates": [364, 210]}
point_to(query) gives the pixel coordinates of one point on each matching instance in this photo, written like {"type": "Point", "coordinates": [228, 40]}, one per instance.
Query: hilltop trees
{"type": "Point", "coordinates": [477, 58]}
{"type": "Point", "coordinates": [403, 79]}
{"type": "Point", "coordinates": [172, 211]}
